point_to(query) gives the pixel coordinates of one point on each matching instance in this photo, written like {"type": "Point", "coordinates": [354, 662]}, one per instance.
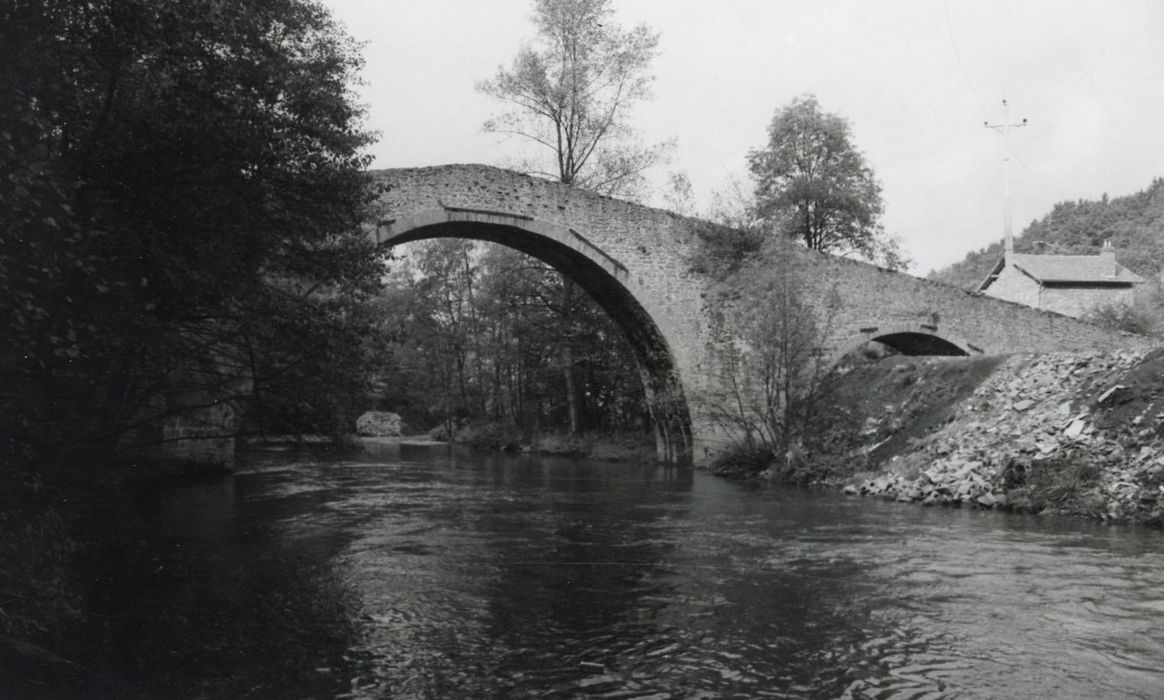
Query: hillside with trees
{"type": "Point", "coordinates": [1134, 224]}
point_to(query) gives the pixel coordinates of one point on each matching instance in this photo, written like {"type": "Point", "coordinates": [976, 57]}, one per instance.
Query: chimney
{"type": "Point", "coordinates": [1107, 255]}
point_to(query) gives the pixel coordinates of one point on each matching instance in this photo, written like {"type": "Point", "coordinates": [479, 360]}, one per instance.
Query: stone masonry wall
{"type": "Point", "coordinates": [649, 252]}
{"type": "Point", "coordinates": [1078, 300]}
{"type": "Point", "coordinates": [871, 296]}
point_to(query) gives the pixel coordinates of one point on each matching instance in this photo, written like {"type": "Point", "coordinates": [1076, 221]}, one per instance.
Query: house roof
{"type": "Point", "coordinates": [1065, 269]}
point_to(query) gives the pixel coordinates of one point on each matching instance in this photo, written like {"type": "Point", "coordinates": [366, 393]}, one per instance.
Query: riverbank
{"type": "Point", "coordinates": [1077, 434]}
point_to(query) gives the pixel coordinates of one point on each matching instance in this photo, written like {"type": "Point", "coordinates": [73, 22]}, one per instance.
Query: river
{"type": "Point", "coordinates": [413, 571]}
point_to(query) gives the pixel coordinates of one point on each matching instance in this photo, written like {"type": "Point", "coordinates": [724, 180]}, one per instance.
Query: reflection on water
{"type": "Point", "coordinates": [424, 572]}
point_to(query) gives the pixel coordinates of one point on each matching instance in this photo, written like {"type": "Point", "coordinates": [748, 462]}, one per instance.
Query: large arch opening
{"type": "Point", "coordinates": [601, 276]}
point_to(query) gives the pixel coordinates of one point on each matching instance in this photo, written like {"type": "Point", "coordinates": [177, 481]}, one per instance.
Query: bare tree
{"type": "Point", "coordinates": [571, 93]}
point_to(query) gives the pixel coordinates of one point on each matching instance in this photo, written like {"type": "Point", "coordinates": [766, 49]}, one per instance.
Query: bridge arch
{"type": "Point", "coordinates": [908, 339]}
{"type": "Point", "coordinates": [602, 276]}
{"type": "Point", "coordinates": [637, 262]}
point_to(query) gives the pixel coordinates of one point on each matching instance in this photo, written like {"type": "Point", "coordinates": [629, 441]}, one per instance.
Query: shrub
{"type": "Point", "coordinates": [1129, 318]}
{"type": "Point", "coordinates": [440, 433]}
{"type": "Point", "coordinates": [743, 461]}
{"type": "Point", "coordinates": [1058, 484]}
{"type": "Point", "coordinates": [722, 250]}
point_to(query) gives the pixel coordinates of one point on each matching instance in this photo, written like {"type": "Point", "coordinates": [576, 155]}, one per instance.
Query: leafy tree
{"type": "Point", "coordinates": [490, 335]}
{"type": "Point", "coordinates": [572, 91]}
{"type": "Point", "coordinates": [813, 185]}
{"type": "Point", "coordinates": [183, 193]}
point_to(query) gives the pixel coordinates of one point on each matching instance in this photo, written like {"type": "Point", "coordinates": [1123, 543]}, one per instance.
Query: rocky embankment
{"type": "Point", "coordinates": [1072, 434]}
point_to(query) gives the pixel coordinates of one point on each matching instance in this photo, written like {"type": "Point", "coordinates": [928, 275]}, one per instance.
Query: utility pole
{"type": "Point", "coordinates": [1004, 129]}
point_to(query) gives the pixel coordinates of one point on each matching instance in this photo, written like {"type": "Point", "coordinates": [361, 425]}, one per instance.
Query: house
{"type": "Point", "coordinates": [1070, 285]}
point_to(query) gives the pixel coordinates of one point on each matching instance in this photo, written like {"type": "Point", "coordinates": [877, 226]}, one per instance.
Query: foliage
{"type": "Point", "coordinates": [1140, 318]}
{"type": "Point", "coordinates": [532, 360]}
{"type": "Point", "coordinates": [679, 197]}
{"type": "Point", "coordinates": [182, 203]}
{"type": "Point", "coordinates": [731, 235]}
{"type": "Point", "coordinates": [487, 335]}
{"type": "Point", "coordinates": [735, 206]}
{"type": "Point", "coordinates": [1133, 224]}
{"type": "Point", "coordinates": [813, 185]}
{"type": "Point", "coordinates": [743, 461]}
{"type": "Point", "coordinates": [36, 591]}
{"type": "Point", "coordinates": [571, 93]}
{"type": "Point", "coordinates": [772, 373]}
{"type": "Point", "coordinates": [720, 251]}
{"type": "Point", "coordinates": [313, 364]}
{"type": "Point", "coordinates": [1068, 485]}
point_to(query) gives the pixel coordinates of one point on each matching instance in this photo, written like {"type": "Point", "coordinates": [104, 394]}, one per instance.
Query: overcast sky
{"type": "Point", "coordinates": [915, 78]}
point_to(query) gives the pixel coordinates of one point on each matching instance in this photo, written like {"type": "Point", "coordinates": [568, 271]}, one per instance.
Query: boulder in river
{"type": "Point", "coordinates": [379, 424]}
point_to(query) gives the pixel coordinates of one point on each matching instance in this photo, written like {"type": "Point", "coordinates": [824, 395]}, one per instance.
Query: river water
{"type": "Point", "coordinates": [416, 571]}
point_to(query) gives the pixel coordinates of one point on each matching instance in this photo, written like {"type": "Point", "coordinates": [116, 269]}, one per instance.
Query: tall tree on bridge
{"type": "Point", "coordinates": [571, 94]}
{"type": "Point", "coordinates": [814, 186]}
{"type": "Point", "coordinates": [572, 91]}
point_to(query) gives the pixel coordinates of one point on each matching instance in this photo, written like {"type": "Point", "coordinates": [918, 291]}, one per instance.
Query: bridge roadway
{"type": "Point", "coordinates": [637, 262]}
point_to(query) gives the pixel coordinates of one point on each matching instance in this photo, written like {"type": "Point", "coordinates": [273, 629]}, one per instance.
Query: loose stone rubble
{"type": "Point", "coordinates": [1070, 433]}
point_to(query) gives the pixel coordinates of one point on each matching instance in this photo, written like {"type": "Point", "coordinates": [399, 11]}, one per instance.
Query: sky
{"type": "Point", "coordinates": [916, 80]}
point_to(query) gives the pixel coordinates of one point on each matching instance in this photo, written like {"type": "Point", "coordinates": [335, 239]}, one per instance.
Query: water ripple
{"type": "Point", "coordinates": [448, 575]}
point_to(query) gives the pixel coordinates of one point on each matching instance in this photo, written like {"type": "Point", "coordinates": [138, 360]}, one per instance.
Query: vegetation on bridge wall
{"type": "Point", "coordinates": [768, 335]}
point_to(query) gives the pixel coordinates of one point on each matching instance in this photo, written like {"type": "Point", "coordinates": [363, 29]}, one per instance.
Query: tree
{"type": "Point", "coordinates": [493, 337]}
{"type": "Point", "coordinates": [679, 196]}
{"type": "Point", "coordinates": [182, 203]}
{"type": "Point", "coordinates": [571, 94]}
{"type": "Point", "coordinates": [812, 185]}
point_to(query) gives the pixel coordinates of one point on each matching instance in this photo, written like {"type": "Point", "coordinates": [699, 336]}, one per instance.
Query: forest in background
{"type": "Point", "coordinates": [1134, 224]}
{"type": "Point", "coordinates": [477, 333]}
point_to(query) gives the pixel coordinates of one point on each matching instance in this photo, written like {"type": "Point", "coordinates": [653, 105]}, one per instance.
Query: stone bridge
{"type": "Point", "coordinates": [637, 262]}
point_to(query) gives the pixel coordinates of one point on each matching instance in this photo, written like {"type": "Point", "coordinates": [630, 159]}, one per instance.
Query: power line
{"type": "Point", "coordinates": [962, 66]}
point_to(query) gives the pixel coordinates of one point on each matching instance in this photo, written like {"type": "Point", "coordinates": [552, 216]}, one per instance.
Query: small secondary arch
{"type": "Point", "coordinates": [602, 276]}
{"type": "Point", "coordinates": [916, 339]}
